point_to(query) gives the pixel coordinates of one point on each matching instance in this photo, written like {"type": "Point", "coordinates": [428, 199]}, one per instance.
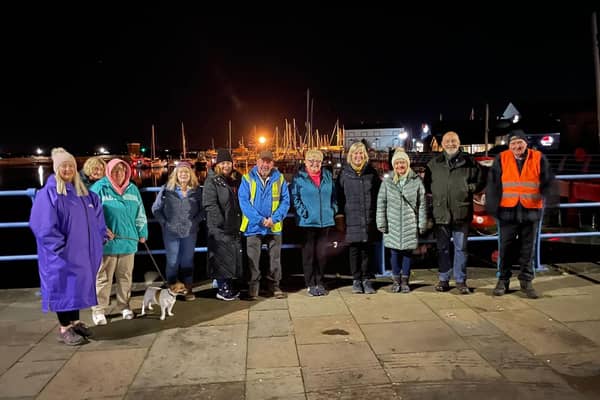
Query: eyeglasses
{"type": "Point", "coordinates": [314, 161]}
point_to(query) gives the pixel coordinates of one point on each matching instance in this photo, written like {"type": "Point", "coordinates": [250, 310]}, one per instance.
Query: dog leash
{"type": "Point", "coordinates": [149, 253]}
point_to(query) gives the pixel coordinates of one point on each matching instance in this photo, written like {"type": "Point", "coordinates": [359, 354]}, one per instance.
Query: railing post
{"type": "Point", "coordinates": [539, 267]}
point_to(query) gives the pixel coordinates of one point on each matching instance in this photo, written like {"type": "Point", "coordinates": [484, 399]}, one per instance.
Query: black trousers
{"type": "Point", "coordinates": [65, 317]}
{"type": "Point", "coordinates": [359, 254]}
{"type": "Point", "coordinates": [526, 232]}
{"type": "Point", "coordinates": [314, 255]}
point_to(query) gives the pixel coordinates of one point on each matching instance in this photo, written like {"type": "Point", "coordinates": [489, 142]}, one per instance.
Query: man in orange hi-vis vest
{"type": "Point", "coordinates": [519, 182]}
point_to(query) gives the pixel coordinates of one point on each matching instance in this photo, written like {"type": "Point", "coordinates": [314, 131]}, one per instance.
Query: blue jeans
{"type": "Point", "coordinates": [459, 234]}
{"type": "Point", "coordinates": [403, 255]}
{"type": "Point", "coordinates": [180, 257]}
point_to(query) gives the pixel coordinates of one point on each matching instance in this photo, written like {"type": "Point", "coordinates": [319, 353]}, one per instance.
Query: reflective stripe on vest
{"type": "Point", "coordinates": [276, 196]}
{"type": "Point", "coordinates": [523, 187]}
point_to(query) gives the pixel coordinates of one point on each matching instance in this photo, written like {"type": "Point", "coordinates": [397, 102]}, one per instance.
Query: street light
{"type": "Point", "coordinates": [39, 151]}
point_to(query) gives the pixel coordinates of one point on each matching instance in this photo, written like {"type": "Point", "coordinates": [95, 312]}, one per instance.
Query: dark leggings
{"type": "Point", "coordinates": [66, 317]}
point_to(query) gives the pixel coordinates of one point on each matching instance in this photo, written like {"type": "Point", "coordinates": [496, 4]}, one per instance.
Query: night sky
{"type": "Point", "coordinates": [104, 76]}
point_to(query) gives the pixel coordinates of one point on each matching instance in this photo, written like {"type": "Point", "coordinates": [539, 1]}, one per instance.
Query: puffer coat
{"type": "Point", "coordinates": [401, 211]}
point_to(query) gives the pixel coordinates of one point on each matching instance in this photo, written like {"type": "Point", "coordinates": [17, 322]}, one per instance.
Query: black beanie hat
{"type": "Point", "coordinates": [223, 155]}
{"type": "Point", "coordinates": [517, 134]}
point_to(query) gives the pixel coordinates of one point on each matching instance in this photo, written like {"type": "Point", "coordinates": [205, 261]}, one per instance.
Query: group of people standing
{"type": "Point", "coordinates": [88, 225]}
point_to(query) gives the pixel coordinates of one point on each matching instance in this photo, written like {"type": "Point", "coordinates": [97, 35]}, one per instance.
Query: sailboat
{"type": "Point", "coordinates": [184, 152]}
{"type": "Point", "coordinates": [155, 162]}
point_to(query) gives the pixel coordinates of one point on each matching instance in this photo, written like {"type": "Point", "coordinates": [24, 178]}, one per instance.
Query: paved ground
{"type": "Point", "coordinates": [424, 345]}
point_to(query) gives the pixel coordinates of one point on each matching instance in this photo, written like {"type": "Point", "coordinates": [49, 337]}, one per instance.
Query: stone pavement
{"type": "Point", "coordinates": [422, 345]}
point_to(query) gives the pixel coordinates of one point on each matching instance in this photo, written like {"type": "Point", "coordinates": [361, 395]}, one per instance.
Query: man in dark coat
{"type": "Point", "coordinates": [223, 220]}
{"type": "Point", "coordinates": [452, 178]}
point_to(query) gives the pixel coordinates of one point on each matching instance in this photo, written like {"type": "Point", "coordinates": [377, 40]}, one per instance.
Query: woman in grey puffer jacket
{"type": "Point", "coordinates": [178, 209]}
{"type": "Point", "coordinates": [401, 215]}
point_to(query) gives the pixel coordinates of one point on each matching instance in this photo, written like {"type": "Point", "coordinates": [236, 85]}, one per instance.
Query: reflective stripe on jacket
{"type": "Point", "coordinates": [275, 198]}
{"type": "Point", "coordinates": [523, 187]}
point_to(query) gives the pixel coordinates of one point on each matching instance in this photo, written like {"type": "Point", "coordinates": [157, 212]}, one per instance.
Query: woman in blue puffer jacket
{"type": "Point", "coordinates": [313, 195]}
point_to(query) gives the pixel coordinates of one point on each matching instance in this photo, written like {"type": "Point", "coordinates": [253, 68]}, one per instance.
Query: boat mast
{"type": "Point", "coordinates": [230, 136]}
{"type": "Point", "coordinates": [183, 141]}
{"type": "Point", "coordinates": [153, 145]}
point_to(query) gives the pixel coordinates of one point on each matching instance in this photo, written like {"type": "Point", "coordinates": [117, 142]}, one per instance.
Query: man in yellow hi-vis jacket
{"type": "Point", "coordinates": [265, 200]}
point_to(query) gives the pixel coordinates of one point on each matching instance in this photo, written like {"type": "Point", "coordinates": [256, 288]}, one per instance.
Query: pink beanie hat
{"type": "Point", "coordinates": [59, 156]}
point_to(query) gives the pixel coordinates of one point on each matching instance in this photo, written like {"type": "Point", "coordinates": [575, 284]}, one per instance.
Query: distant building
{"type": "Point", "coordinates": [377, 136]}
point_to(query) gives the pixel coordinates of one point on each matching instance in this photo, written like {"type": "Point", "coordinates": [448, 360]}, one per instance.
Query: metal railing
{"type": "Point", "coordinates": [382, 264]}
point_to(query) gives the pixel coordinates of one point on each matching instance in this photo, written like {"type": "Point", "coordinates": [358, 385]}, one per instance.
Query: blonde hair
{"type": "Point", "coordinates": [92, 163]}
{"type": "Point", "coordinates": [219, 170]}
{"type": "Point", "coordinates": [355, 148]}
{"type": "Point", "coordinates": [313, 154]}
{"type": "Point", "coordinates": [61, 185]}
{"type": "Point", "coordinates": [172, 182]}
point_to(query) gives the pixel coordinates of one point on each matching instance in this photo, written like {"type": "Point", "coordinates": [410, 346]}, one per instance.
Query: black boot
{"type": "Point", "coordinates": [404, 288]}
{"type": "Point", "coordinates": [253, 290]}
{"type": "Point", "coordinates": [442, 286]}
{"type": "Point", "coordinates": [527, 288]}
{"type": "Point", "coordinates": [501, 288]}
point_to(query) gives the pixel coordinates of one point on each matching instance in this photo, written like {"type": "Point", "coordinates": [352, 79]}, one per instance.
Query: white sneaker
{"type": "Point", "coordinates": [99, 319]}
{"type": "Point", "coordinates": [128, 314]}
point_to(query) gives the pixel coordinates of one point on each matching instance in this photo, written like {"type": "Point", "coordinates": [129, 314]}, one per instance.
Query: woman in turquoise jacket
{"type": "Point", "coordinates": [127, 225]}
{"type": "Point", "coordinates": [313, 195]}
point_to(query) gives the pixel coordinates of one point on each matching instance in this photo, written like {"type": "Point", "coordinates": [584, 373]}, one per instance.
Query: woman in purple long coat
{"type": "Point", "coordinates": [68, 224]}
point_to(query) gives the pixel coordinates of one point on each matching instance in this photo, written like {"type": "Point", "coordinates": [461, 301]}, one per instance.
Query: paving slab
{"type": "Point", "coordinates": [328, 329]}
{"type": "Point", "coordinates": [231, 318]}
{"type": "Point", "coordinates": [25, 311]}
{"type": "Point", "coordinates": [28, 378]}
{"type": "Point", "coordinates": [207, 391]}
{"type": "Point", "coordinates": [562, 285]}
{"type": "Point", "coordinates": [50, 349]}
{"type": "Point", "coordinates": [267, 323]}
{"type": "Point", "coordinates": [15, 333]}
{"type": "Point", "coordinates": [589, 329]}
{"type": "Point", "coordinates": [10, 355]}
{"type": "Point", "coordinates": [485, 390]}
{"type": "Point", "coordinates": [388, 308]}
{"type": "Point", "coordinates": [437, 366]}
{"type": "Point", "coordinates": [133, 342]}
{"type": "Point", "coordinates": [339, 365]}
{"type": "Point", "coordinates": [578, 308]}
{"type": "Point", "coordinates": [274, 383]}
{"type": "Point", "coordinates": [512, 360]}
{"type": "Point", "coordinates": [437, 301]}
{"type": "Point", "coordinates": [196, 355]}
{"type": "Point", "coordinates": [481, 302]}
{"type": "Point", "coordinates": [467, 322]}
{"type": "Point", "coordinates": [269, 304]}
{"type": "Point", "coordinates": [302, 305]}
{"type": "Point", "coordinates": [411, 337]}
{"type": "Point", "coordinates": [27, 295]}
{"type": "Point", "coordinates": [272, 352]}
{"type": "Point", "coordinates": [96, 374]}
{"type": "Point", "coordinates": [539, 333]}
{"type": "Point", "coordinates": [578, 364]}
{"type": "Point", "coordinates": [374, 392]}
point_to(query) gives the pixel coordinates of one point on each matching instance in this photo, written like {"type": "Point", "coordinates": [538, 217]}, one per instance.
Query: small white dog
{"type": "Point", "coordinates": [163, 297]}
